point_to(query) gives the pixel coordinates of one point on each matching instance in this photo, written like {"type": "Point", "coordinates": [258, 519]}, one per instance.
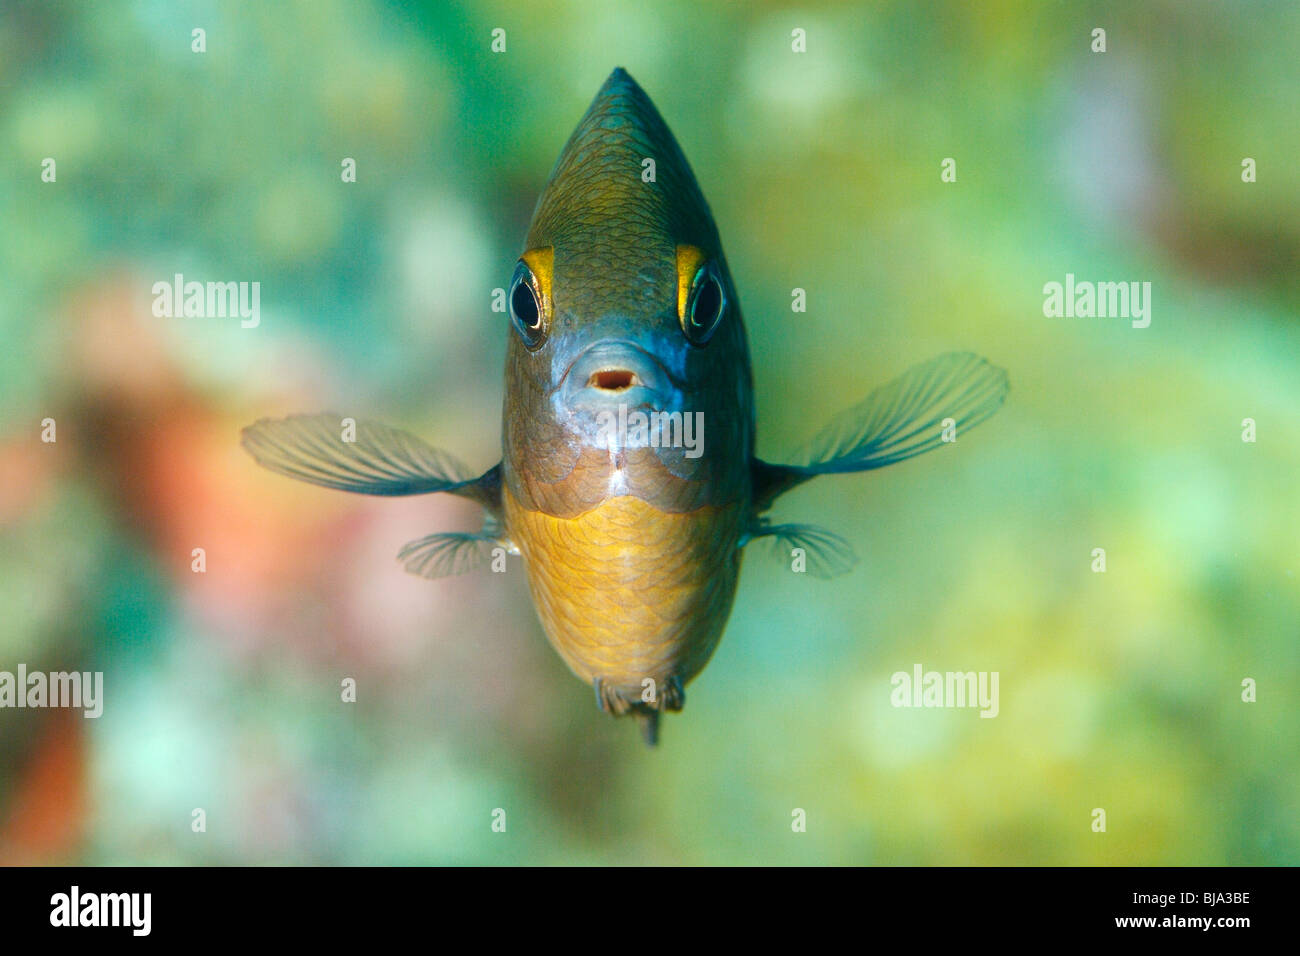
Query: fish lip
{"type": "Point", "coordinates": [649, 379]}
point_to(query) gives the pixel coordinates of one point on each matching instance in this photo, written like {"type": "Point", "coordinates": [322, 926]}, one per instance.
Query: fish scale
{"type": "Point", "coordinates": [619, 592]}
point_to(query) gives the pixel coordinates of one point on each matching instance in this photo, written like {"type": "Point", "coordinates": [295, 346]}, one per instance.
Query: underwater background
{"type": "Point", "coordinates": [1120, 690]}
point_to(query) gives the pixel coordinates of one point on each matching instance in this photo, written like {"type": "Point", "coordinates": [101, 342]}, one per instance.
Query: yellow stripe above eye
{"type": "Point", "coordinates": [689, 260]}
{"type": "Point", "coordinates": [542, 261]}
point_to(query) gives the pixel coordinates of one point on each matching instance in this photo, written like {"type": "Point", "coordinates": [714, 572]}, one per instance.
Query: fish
{"type": "Point", "coordinates": [628, 483]}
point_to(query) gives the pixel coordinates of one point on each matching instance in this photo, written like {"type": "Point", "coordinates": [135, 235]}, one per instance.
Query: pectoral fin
{"type": "Point", "coordinates": [897, 421]}
{"type": "Point", "coordinates": [372, 459]}
{"type": "Point", "coordinates": [365, 458]}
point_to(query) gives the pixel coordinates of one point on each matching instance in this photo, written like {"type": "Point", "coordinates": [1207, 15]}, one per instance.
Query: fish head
{"type": "Point", "coordinates": [622, 302]}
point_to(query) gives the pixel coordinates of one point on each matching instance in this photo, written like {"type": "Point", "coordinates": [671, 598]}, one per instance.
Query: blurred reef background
{"type": "Point", "coordinates": [1119, 690]}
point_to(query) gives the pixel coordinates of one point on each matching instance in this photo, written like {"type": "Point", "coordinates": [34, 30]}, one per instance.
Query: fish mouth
{"type": "Point", "coordinates": [616, 372]}
{"type": "Point", "coordinates": [613, 379]}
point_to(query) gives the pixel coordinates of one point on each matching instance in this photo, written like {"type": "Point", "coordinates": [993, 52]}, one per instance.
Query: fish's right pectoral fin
{"type": "Point", "coordinates": [362, 457]}
{"type": "Point", "coordinates": [819, 552]}
{"type": "Point", "coordinates": [925, 408]}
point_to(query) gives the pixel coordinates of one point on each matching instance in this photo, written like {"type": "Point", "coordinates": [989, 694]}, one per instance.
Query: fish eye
{"type": "Point", "coordinates": [707, 303]}
{"type": "Point", "coordinates": [526, 307]}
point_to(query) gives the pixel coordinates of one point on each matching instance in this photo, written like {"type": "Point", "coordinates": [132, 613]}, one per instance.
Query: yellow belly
{"type": "Point", "coordinates": [626, 592]}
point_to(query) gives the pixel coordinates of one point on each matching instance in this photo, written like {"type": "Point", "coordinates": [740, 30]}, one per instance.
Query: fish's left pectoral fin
{"type": "Point", "coordinates": [925, 408]}
{"type": "Point", "coordinates": [449, 553]}
{"type": "Point", "coordinates": [819, 552]}
{"type": "Point", "coordinates": [360, 456]}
